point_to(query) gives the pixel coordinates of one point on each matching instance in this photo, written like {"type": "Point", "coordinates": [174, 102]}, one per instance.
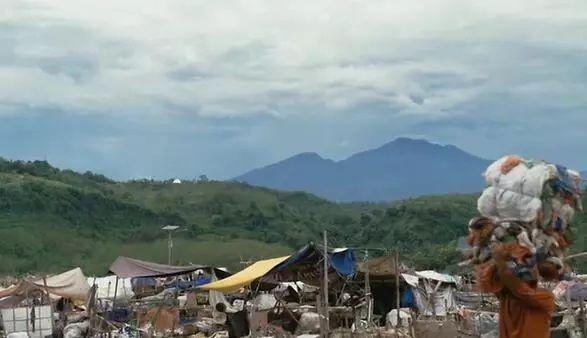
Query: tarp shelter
{"type": "Point", "coordinates": [70, 284]}
{"type": "Point", "coordinates": [434, 292]}
{"type": "Point", "coordinates": [125, 267]}
{"type": "Point", "coordinates": [382, 281]}
{"type": "Point", "coordinates": [305, 265]}
{"type": "Point", "coordinates": [245, 277]}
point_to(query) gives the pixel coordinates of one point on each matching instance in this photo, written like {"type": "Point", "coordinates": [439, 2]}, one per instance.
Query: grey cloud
{"type": "Point", "coordinates": [445, 80]}
{"type": "Point", "coordinates": [78, 68]}
{"type": "Point", "coordinates": [187, 74]}
{"type": "Point", "coordinates": [221, 88]}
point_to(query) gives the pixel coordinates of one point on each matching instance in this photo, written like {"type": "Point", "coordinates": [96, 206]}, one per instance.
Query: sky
{"type": "Point", "coordinates": [160, 89]}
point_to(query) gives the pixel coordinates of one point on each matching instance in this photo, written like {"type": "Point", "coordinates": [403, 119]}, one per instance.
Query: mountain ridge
{"type": "Point", "coordinates": [401, 168]}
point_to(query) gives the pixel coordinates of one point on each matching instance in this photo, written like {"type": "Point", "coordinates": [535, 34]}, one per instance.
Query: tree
{"type": "Point", "coordinates": [203, 178]}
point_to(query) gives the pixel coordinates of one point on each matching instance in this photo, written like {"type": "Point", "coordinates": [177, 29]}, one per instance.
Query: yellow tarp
{"type": "Point", "coordinates": [244, 277]}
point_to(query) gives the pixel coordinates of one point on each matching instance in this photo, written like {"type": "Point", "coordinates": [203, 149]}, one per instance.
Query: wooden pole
{"type": "Point", "coordinates": [368, 298]}
{"type": "Point", "coordinates": [397, 295]}
{"type": "Point", "coordinates": [115, 293]}
{"type": "Point", "coordinates": [325, 287]}
{"type": "Point", "coordinates": [48, 300]}
{"type": "Point", "coordinates": [169, 248]}
{"type": "Point", "coordinates": [582, 321]}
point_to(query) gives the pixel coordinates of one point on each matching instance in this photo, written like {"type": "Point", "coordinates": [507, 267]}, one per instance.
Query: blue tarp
{"type": "Point", "coordinates": [343, 262]}
{"type": "Point", "coordinates": [564, 181]}
{"type": "Point", "coordinates": [184, 285]}
{"type": "Point", "coordinates": [408, 300]}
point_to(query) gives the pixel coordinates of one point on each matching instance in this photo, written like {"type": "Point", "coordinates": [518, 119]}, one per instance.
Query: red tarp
{"type": "Point", "coordinates": [125, 267]}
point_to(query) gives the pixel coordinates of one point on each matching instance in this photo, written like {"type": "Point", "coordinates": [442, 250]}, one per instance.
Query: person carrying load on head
{"type": "Point", "coordinates": [524, 309]}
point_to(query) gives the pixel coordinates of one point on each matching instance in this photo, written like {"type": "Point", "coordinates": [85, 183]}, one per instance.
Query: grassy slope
{"type": "Point", "coordinates": [51, 220]}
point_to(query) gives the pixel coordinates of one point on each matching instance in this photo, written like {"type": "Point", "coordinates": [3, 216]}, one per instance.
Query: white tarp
{"type": "Point", "coordinates": [299, 287]}
{"type": "Point", "coordinates": [433, 291]}
{"type": "Point", "coordinates": [264, 301]}
{"type": "Point", "coordinates": [435, 303]}
{"type": "Point", "coordinates": [71, 284]}
{"type": "Point", "coordinates": [433, 275]}
{"type": "Point", "coordinates": [106, 287]}
{"type": "Point", "coordinates": [411, 279]}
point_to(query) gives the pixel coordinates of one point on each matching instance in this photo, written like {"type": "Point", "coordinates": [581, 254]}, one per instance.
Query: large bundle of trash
{"type": "Point", "coordinates": [530, 205]}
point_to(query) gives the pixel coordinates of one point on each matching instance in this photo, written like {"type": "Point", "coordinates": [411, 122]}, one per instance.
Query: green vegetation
{"type": "Point", "coordinates": [51, 220]}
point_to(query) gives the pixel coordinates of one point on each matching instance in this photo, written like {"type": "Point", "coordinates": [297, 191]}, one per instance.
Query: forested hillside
{"type": "Point", "coordinates": [54, 219]}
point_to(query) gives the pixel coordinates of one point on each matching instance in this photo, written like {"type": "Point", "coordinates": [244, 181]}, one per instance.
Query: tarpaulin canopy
{"type": "Point", "coordinates": [343, 261]}
{"type": "Point", "coordinates": [125, 267]}
{"type": "Point", "coordinates": [245, 277]}
{"type": "Point", "coordinates": [70, 284]}
{"type": "Point", "coordinates": [440, 277]}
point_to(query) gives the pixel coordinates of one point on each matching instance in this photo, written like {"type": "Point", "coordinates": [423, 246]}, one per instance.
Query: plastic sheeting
{"type": "Point", "coordinates": [432, 297]}
{"type": "Point", "coordinates": [433, 275]}
{"type": "Point", "coordinates": [410, 279]}
{"type": "Point", "coordinates": [438, 303]}
{"type": "Point", "coordinates": [413, 280]}
{"type": "Point", "coordinates": [106, 287]}
{"type": "Point", "coordinates": [343, 261]}
{"type": "Point", "coordinates": [126, 267]}
{"type": "Point", "coordinates": [245, 277]}
{"type": "Point", "coordinates": [71, 284]}
{"type": "Point", "coordinates": [516, 194]}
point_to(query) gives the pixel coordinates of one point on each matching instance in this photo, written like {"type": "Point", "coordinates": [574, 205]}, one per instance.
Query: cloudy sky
{"type": "Point", "coordinates": [181, 88]}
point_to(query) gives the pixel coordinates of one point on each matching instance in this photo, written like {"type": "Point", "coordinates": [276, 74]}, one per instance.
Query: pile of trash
{"type": "Point", "coordinates": [529, 204]}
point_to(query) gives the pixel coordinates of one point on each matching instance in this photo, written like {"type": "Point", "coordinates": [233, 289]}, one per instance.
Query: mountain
{"type": "Point", "coordinates": [399, 169]}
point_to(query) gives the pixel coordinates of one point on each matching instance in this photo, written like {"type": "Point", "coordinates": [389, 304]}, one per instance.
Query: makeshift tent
{"type": "Point", "coordinates": [382, 283]}
{"type": "Point", "coordinates": [434, 292]}
{"type": "Point", "coordinates": [245, 277]}
{"type": "Point", "coordinates": [70, 284]}
{"type": "Point", "coordinates": [305, 266]}
{"type": "Point", "coordinates": [125, 267]}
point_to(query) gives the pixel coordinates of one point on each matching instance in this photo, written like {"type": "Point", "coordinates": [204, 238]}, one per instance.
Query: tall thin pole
{"type": "Point", "coordinates": [368, 298]}
{"type": "Point", "coordinates": [325, 307]}
{"type": "Point", "coordinates": [397, 295]}
{"type": "Point", "coordinates": [169, 248]}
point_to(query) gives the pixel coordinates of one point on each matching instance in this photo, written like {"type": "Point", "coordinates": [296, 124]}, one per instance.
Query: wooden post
{"type": "Point", "coordinates": [321, 313]}
{"type": "Point", "coordinates": [368, 298]}
{"type": "Point", "coordinates": [26, 296]}
{"type": "Point", "coordinates": [325, 287]}
{"type": "Point", "coordinates": [397, 295]}
{"type": "Point", "coordinates": [582, 321]}
{"type": "Point", "coordinates": [115, 293]}
{"type": "Point", "coordinates": [48, 300]}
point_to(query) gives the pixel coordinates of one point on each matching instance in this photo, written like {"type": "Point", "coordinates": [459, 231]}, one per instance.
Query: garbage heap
{"type": "Point", "coordinates": [530, 205]}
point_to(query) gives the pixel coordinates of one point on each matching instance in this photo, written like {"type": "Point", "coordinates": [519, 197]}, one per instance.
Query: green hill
{"type": "Point", "coordinates": [51, 220]}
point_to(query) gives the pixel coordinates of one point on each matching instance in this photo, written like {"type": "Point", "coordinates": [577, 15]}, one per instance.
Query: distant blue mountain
{"type": "Point", "coordinates": [399, 169]}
